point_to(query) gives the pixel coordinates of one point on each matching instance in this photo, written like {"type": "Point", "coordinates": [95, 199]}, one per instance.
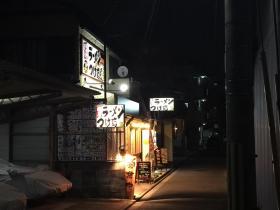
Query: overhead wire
{"type": "Point", "coordinates": [151, 20]}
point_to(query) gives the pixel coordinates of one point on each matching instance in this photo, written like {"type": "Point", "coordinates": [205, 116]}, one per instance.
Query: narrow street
{"type": "Point", "coordinates": [197, 185]}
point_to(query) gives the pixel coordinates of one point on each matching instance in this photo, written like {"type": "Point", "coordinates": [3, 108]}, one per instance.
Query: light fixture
{"type": "Point", "coordinates": [110, 81]}
{"type": "Point", "coordinates": [123, 87]}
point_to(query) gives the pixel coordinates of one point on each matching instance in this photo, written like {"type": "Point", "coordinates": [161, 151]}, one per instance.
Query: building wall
{"type": "Point", "coordinates": [4, 141]}
{"type": "Point", "coordinates": [95, 179]}
{"type": "Point", "coordinates": [266, 190]}
{"type": "Point", "coordinates": [34, 43]}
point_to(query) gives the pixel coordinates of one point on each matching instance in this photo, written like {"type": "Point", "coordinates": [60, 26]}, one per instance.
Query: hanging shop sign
{"type": "Point", "coordinates": [110, 116]}
{"type": "Point", "coordinates": [161, 104]}
{"type": "Point", "coordinates": [92, 66]}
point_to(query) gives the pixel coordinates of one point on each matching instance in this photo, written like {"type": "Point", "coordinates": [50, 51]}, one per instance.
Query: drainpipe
{"type": "Point", "coordinates": [239, 37]}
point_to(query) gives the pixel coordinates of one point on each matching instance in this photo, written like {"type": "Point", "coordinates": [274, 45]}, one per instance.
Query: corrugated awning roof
{"type": "Point", "coordinates": [17, 79]}
{"type": "Point", "coordinates": [24, 89]}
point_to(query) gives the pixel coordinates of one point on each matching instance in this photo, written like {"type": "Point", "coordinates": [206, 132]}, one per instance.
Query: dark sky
{"type": "Point", "coordinates": [164, 42]}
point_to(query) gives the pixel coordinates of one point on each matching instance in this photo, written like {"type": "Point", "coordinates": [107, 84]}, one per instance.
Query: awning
{"type": "Point", "coordinates": [35, 93]}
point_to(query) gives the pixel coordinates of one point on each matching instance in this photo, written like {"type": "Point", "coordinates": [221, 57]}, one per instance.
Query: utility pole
{"type": "Point", "coordinates": [239, 51]}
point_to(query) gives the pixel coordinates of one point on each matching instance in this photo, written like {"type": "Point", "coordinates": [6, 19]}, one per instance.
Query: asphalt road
{"type": "Point", "coordinates": [198, 184]}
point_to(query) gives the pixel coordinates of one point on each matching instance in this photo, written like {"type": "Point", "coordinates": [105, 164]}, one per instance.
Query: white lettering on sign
{"type": "Point", "coordinates": [92, 62]}
{"type": "Point", "coordinates": [110, 116]}
{"type": "Point", "coordinates": [161, 104]}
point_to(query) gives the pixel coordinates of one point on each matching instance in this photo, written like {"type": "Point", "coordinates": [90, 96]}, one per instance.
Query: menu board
{"type": "Point", "coordinates": [78, 139]}
{"type": "Point", "coordinates": [144, 171]}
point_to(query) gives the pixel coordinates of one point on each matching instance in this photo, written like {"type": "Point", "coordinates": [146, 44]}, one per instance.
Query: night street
{"type": "Point", "coordinates": [196, 185]}
{"type": "Point", "coordinates": [140, 105]}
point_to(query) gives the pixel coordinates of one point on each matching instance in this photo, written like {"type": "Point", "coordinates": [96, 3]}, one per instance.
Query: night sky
{"type": "Point", "coordinates": [163, 43]}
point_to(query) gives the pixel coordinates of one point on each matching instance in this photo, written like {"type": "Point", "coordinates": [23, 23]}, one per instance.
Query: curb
{"type": "Point", "coordinates": [156, 182]}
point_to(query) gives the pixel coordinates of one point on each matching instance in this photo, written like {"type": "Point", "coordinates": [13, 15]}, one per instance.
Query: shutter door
{"type": "Point", "coordinates": [31, 140]}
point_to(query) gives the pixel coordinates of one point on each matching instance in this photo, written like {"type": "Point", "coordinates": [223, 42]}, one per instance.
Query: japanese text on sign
{"type": "Point", "coordinates": [78, 139]}
{"type": "Point", "coordinates": [161, 104]}
{"type": "Point", "coordinates": [110, 116]}
{"type": "Point", "coordinates": [92, 61]}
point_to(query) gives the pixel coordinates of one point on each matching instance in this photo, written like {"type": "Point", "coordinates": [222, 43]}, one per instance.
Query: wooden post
{"type": "Point", "coordinates": [52, 137]}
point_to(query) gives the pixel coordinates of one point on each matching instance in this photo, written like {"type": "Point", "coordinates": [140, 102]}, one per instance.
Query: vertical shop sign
{"type": "Point", "coordinates": [163, 153]}
{"type": "Point", "coordinates": [130, 170]}
{"type": "Point", "coordinates": [92, 68]}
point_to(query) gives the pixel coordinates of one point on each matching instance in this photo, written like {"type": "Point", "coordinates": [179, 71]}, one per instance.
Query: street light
{"type": "Point", "coordinates": [118, 85]}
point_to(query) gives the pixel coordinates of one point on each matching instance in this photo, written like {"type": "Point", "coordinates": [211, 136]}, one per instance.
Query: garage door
{"type": "Point", "coordinates": [31, 140]}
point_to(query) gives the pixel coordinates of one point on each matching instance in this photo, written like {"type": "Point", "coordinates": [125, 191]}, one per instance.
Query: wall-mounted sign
{"type": "Point", "coordinates": [92, 68]}
{"type": "Point", "coordinates": [161, 104]}
{"type": "Point", "coordinates": [78, 139]}
{"type": "Point", "coordinates": [109, 116]}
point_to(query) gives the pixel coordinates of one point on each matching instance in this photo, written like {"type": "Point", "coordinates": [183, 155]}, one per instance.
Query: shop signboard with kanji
{"type": "Point", "coordinates": [161, 104]}
{"type": "Point", "coordinates": [110, 116]}
{"type": "Point", "coordinates": [92, 66]}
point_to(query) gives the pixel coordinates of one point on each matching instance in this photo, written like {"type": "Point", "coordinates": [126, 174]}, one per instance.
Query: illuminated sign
{"type": "Point", "coordinates": [109, 116]}
{"type": "Point", "coordinates": [161, 104]}
{"type": "Point", "coordinates": [93, 62]}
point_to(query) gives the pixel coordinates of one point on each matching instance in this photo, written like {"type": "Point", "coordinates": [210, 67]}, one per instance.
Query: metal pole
{"type": "Point", "coordinates": [239, 36]}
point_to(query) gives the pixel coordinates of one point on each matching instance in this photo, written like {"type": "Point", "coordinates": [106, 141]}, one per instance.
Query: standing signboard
{"type": "Point", "coordinates": [144, 171]}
